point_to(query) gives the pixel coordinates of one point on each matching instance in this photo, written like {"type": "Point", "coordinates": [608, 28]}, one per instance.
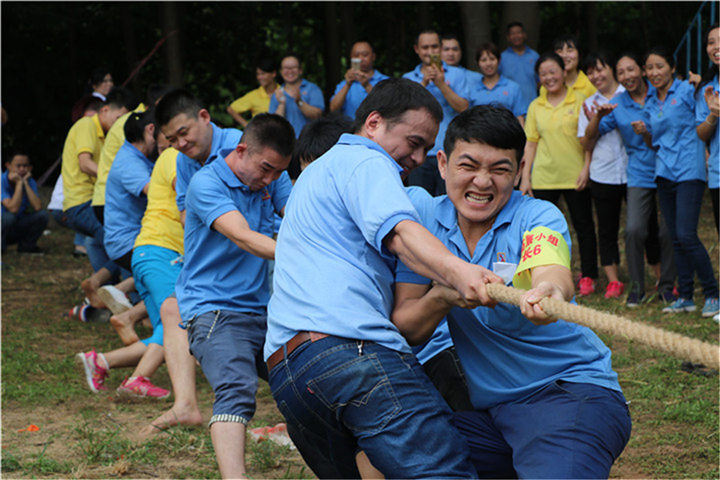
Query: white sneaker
{"type": "Point", "coordinates": [114, 299]}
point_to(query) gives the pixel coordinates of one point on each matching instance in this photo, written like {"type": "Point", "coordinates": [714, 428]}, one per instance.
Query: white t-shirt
{"type": "Point", "coordinates": [56, 200]}
{"type": "Point", "coordinates": [609, 158]}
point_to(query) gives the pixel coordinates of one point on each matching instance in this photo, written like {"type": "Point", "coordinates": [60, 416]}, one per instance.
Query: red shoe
{"type": "Point", "coordinates": [614, 290]}
{"type": "Point", "coordinates": [586, 286]}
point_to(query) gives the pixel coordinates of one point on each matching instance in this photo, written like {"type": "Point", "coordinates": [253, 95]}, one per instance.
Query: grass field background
{"type": "Point", "coordinates": [83, 435]}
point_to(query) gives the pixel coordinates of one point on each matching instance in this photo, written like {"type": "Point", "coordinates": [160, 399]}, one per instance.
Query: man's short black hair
{"type": "Point", "coordinates": [392, 97]}
{"type": "Point", "coordinates": [174, 103]}
{"type": "Point", "coordinates": [449, 36]}
{"type": "Point", "coordinates": [17, 153]}
{"type": "Point", "coordinates": [549, 56]}
{"type": "Point", "coordinates": [155, 92]}
{"type": "Point", "coordinates": [319, 135]}
{"type": "Point", "coordinates": [427, 30]}
{"type": "Point", "coordinates": [92, 103]}
{"type": "Point", "coordinates": [268, 130]}
{"type": "Point", "coordinates": [494, 126]}
{"type": "Point", "coordinates": [593, 58]}
{"type": "Point", "coordinates": [362, 40]}
{"type": "Point", "coordinates": [121, 97]}
{"type": "Point", "coordinates": [266, 64]}
{"type": "Point", "coordinates": [135, 124]}
{"type": "Point", "coordinates": [514, 24]}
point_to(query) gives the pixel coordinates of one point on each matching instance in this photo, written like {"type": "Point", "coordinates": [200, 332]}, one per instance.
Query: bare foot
{"type": "Point", "coordinates": [124, 326]}
{"type": "Point", "coordinates": [90, 290]}
{"type": "Point", "coordinates": [170, 419]}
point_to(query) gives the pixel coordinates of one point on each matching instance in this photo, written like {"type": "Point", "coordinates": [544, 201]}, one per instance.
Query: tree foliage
{"type": "Point", "coordinates": [49, 49]}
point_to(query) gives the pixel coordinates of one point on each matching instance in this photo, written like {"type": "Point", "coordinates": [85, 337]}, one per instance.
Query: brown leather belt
{"type": "Point", "coordinates": [292, 344]}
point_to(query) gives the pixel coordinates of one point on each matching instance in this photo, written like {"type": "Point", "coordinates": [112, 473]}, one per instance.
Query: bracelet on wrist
{"type": "Point", "coordinates": [707, 120]}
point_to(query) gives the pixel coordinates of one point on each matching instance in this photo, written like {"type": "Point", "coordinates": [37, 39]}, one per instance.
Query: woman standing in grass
{"type": "Point", "coordinates": [668, 126]}
{"type": "Point", "coordinates": [554, 163]}
{"type": "Point", "coordinates": [644, 235]}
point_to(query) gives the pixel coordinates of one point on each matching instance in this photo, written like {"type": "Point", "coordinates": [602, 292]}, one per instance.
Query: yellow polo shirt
{"type": "Point", "coordinates": [85, 136]}
{"type": "Point", "coordinates": [559, 157]}
{"type": "Point", "coordinates": [256, 101]}
{"type": "Point", "coordinates": [114, 140]}
{"type": "Point", "coordinates": [161, 223]}
{"type": "Point", "coordinates": [582, 86]}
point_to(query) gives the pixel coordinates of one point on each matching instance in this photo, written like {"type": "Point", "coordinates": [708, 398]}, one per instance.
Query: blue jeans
{"type": "Point", "coordinates": [25, 230]}
{"type": "Point", "coordinates": [566, 430]}
{"type": "Point", "coordinates": [680, 206]}
{"type": "Point", "coordinates": [229, 347]}
{"type": "Point", "coordinates": [79, 239]}
{"type": "Point", "coordinates": [82, 219]}
{"type": "Point", "coordinates": [339, 396]}
{"type": "Point", "coordinates": [155, 270]}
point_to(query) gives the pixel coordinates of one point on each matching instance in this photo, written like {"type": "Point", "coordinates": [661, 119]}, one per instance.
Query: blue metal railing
{"type": "Point", "coordinates": [696, 27]}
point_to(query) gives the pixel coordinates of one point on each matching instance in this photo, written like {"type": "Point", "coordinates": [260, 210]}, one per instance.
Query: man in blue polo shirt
{"type": "Point", "coordinates": [223, 290]}
{"type": "Point", "coordinates": [547, 403]}
{"type": "Point", "coordinates": [298, 100]}
{"type": "Point", "coordinates": [518, 62]}
{"type": "Point", "coordinates": [451, 53]}
{"type": "Point", "coordinates": [340, 372]}
{"type": "Point", "coordinates": [360, 78]}
{"type": "Point", "coordinates": [23, 219]}
{"type": "Point", "coordinates": [449, 87]}
{"type": "Point", "coordinates": [187, 126]}
{"type": "Point", "coordinates": [127, 186]}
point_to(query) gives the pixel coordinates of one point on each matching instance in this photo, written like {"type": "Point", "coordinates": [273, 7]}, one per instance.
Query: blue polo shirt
{"type": "Point", "coordinates": [125, 201]}
{"type": "Point", "coordinates": [701, 113]}
{"type": "Point", "coordinates": [505, 93]}
{"type": "Point", "coordinates": [310, 94]}
{"type": "Point", "coordinates": [506, 357]}
{"type": "Point", "coordinates": [356, 93]}
{"type": "Point", "coordinates": [680, 152]}
{"type": "Point", "coordinates": [8, 189]}
{"type": "Point", "coordinates": [217, 274]}
{"type": "Point", "coordinates": [456, 79]}
{"type": "Point", "coordinates": [332, 273]}
{"type": "Point", "coordinates": [471, 77]}
{"type": "Point", "coordinates": [222, 139]}
{"type": "Point", "coordinates": [521, 70]}
{"type": "Point", "coordinates": [641, 158]}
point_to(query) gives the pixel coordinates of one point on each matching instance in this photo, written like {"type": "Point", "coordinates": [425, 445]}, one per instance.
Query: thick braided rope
{"type": "Point", "coordinates": [679, 345]}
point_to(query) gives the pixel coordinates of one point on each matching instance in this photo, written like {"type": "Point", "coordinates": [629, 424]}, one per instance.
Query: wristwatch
{"type": "Point", "coordinates": [299, 102]}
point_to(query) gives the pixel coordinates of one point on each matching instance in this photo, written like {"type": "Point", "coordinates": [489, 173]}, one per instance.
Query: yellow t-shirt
{"type": "Point", "coordinates": [582, 86]}
{"type": "Point", "coordinates": [559, 157]}
{"type": "Point", "coordinates": [114, 140]}
{"type": "Point", "coordinates": [256, 101]}
{"type": "Point", "coordinates": [85, 136]}
{"type": "Point", "coordinates": [161, 223]}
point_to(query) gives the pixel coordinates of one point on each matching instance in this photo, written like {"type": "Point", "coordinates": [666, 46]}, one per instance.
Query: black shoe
{"type": "Point", "coordinates": [668, 296]}
{"type": "Point", "coordinates": [34, 250]}
{"type": "Point", "coordinates": [634, 299]}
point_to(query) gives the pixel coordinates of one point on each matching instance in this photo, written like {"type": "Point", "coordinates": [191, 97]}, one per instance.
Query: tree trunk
{"type": "Point", "coordinates": [173, 50]}
{"type": "Point", "coordinates": [526, 12]}
{"type": "Point", "coordinates": [348, 26]}
{"type": "Point", "coordinates": [476, 26]}
{"type": "Point", "coordinates": [332, 48]}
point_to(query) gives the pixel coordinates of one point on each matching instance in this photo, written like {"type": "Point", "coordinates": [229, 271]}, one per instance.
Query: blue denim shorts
{"type": "Point", "coordinates": [229, 347]}
{"type": "Point", "coordinates": [340, 395]}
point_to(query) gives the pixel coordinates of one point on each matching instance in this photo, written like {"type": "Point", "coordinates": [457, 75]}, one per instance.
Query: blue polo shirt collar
{"type": "Point", "coordinates": [446, 215]}
{"type": "Point", "coordinates": [350, 139]}
{"type": "Point", "coordinates": [225, 174]}
{"type": "Point", "coordinates": [501, 83]}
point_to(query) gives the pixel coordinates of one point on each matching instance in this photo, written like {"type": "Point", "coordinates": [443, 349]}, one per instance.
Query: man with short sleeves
{"type": "Point", "coordinates": [223, 287]}
{"type": "Point", "coordinates": [547, 403]}
{"type": "Point", "coordinates": [518, 62]}
{"type": "Point", "coordinates": [298, 100]}
{"type": "Point", "coordinates": [360, 78]}
{"type": "Point", "coordinates": [449, 87]}
{"type": "Point", "coordinates": [340, 372]}
{"type": "Point", "coordinates": [23, 219]}
{"type": "Point", "coordinates": [451, 53]}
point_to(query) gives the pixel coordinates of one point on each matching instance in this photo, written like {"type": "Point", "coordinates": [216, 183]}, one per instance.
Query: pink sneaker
{"type": "Point", "coordinates": [586, 286]}
{"type": "Point", "coordinates": [614, 290]}
{"type": "Point", "coordinates": [141, 387]}
{"type": "Point", "coordinates": [95, 375]}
